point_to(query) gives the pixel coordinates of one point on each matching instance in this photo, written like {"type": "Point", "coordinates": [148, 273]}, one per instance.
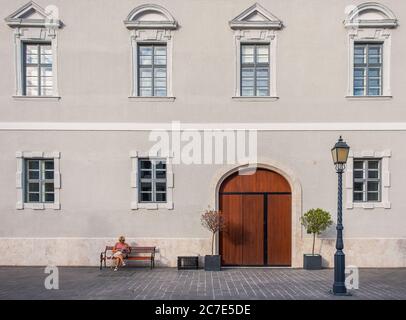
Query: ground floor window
{"type": "Point", "coordinates": [152, 180]}
{"type": "Point", "coordinates": [39, 180]}
{"type": "Point", "coordinates": [367, 180]}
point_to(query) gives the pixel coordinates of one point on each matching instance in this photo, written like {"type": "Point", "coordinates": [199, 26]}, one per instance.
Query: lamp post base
{"type": "Point", "coordinates": [346, 294]}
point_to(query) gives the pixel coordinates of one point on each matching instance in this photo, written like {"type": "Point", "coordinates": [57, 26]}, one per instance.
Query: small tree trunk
{"type": "Point", "coordinates": [314, 240]}
{"type": "Point", "coordinates": [212, 243]}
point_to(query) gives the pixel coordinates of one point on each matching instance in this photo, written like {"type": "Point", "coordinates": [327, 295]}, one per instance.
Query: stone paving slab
{"type": "Point", "coordinates": [169, 283]}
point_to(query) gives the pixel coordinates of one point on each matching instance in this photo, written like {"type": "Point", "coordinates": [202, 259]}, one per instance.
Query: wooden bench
{"type": "Point", "coordinates": [135, 254]}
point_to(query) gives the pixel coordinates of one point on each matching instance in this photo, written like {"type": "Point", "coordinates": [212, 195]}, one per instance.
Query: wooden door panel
{"type": "Point", "coordinates": [231, 237]}
{"type": "Point", "coordinates": [253, 230]}
{"type": "Point", "coordinates": [279, 230]}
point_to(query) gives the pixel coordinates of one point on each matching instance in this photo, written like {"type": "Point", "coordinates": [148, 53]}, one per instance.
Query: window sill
{"type": "Point", "coordinates": [368, 97]}
{"type": "Point", "coordinates": [151, 206]}
{"type": "Point", "coordinates": [40, 206]}
{"type": "Point", "coordinates": [40, 98]}
{"type": "Point", "coordinates": [369, 205]}
{"type": "Point", "coordinates": [256, 99]}
{"type": "Point", "coordinates": [152, 99]}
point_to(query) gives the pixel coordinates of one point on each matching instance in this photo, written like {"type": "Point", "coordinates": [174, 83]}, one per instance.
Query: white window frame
{"type": "Point", "coordinates": [384, 156]}
{"type": "Point", "coordinates": [28, 30]}
{"type": "Point", "coordinates": [135, 203]}
{"type": "Point", "coordinates": [255, 32]}
{"type": "Point", "coordinates": [21, 157]}
{"type": "Point", "coordinates": [151, 32]}
{"type": "Point", "coordinates": [360, 30]}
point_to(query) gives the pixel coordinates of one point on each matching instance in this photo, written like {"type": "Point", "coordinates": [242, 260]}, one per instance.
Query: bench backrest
{"type": "Point", "coordinates": [135, 249]}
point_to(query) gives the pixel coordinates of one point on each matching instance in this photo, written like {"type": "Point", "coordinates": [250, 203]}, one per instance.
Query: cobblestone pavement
{"type": "Point", "coordinates": [168, 283]}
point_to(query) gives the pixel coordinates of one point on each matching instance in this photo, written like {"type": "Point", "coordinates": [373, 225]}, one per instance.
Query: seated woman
{"type": "Point", "coordinates": [120, 251]}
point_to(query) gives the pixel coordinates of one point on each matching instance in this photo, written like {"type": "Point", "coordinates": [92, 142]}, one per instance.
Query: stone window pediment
{"type": "Point", "coordinates": [150, 16]}
{"type": "Point", "coordinates": [371, 15]}
{"type": "Point", "coordinates": [255, 17]}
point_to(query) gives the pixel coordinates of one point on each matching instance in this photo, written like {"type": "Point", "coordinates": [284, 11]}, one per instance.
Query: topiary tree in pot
{"type": "Point", "coordinates": [315, 221]}
{"type": "Point", "coordinates": [213, 221]}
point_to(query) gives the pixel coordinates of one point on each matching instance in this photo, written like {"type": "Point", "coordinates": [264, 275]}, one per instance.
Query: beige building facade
{"type": "Point", "coordinates": [86, 89]}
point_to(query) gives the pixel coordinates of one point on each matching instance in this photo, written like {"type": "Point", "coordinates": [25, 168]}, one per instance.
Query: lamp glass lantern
{"type": "Point", "coordinates": [340, 153]}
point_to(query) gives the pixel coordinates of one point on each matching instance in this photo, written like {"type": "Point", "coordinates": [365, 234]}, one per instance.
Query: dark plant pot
{"type": "Point", "coordinates": [212, 263]}
{"type": "Point", "coordinates": [312, 262]}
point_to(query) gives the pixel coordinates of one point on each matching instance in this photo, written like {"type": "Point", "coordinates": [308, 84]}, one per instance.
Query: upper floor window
{"type": "Point", "coordinates": [38, 77]}
{"type": "Point", "coordinates": [368, 69]}
{"type": "Point", "coordinates": [151, 33]}
{"type": "Point", "coordinates": [35, 44]}
{"type": "Point", "coordinates": [39, 181]}
{"type": "Point", "coordinates": [152, 70]}
{"type": "Point", "coordinates": [369, 26]}
{"type": "Point", "coordinates": [255, 70]}
{"type": "Point", "coordinates": [152, 180]}
{"type": "Point", "coordinates": [367, 180]}
{"type": "Point", "coordinates": [255, 34]}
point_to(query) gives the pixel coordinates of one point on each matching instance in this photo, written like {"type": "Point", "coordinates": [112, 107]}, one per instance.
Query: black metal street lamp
{"type": "Point", "coordinates": [340, 155]}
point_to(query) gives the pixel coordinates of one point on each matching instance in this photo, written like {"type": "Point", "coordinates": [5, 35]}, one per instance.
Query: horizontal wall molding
{"type": "Point", "coordinates": [184, 126]}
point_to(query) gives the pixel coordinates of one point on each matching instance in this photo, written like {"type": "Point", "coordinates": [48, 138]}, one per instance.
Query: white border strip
{"type": "Point", "coordinates": [134, 126]}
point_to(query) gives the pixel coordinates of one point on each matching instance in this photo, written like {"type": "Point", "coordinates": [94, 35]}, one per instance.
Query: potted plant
{"type": "Point", "coordinates": [315, 222]}
{"type": "Point", "coordinates": [213, 221]}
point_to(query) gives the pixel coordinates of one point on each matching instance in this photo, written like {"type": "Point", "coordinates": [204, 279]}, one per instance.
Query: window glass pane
{"type": "Point", "coordinates": [358, 164]}
{"type": "Point", "coordinates": [49, 175]}
{"type": "Point", "coordinates": [359, 50]}
{"type": "Point", "coordinates": [373, 174]}
{"type": "Point", "coordinates": [359, 82]}
{"type": "Point", "coordinates": [373, 196]}
{"type": "Point", "coordinates": [247, 91]}
{"type": "Point", "coordinates": [374, 91]}
{"type": "Point", "coordinates": [359, 73]}
{"type": "Point", "coordinates": [46, 91]}
{"type": "Point", "coordinates": [145, 60]}
{"type": "Point", "coordinates": [33, 164]}
{"type": "Point", "coordinates": [247, 59]}
{"type": "Point", "coordinates": [262, 59]}
{"type": "Point", "coordinates": [247, 50]}
{"type": "Point", "coordinates": [146, 197]}
{"type": "Point", "coordinates": [262, 83]}
{"type": "Point", "coordinates": [32, 49]}
{"type": "Point", "coordinates": [161, 197]}
{"type": "Point", "coordinates": [160, 50]}
{"type": "Point", "coordinates": [374, 50]}
{"type": "Point", "coordinates": [160, 83]}
{"type": "Point", "coordinates": [49, 197]}
{"type": "Point", "coordinates": [358, 186]}
{"type": "Point", "coordinates": [247, 82]}
{"type": "Point", "coordinates": [145, 92]}
{"type": "Point", "coordinates": [160, 174]}
{"type": "Point", "coordinates": [33, 175]}
{"type": "Point", "coordinates": [146, 186]}
{"type": "Point", "coordinates": [160, 165]}
{"type": "Point", "coordinates": [146, 164]}
{"type": "Point", "coordinates": [49, 187]}
{"type": "Point", "coordinates": [262, 73]}
{"type": "Point", "coordinates": [374, 59]}
{"type": "Point", "coordinates": [46, 50]}
{"type": "Point", "coordinates": [46, 59]}
{"type": "Point", "coordinates": [31, 59]}
{"type": "Point", "coordinates": [262, 92]}
{"type": "Point", "coordinates": [32, 81]}
{"type": "Point", "coordinates": [46, 71]}
{"type": "Point", "coordinates": [146, 174]}
{"type": "Point", "coordinates": [358, 92]}
{"type": "Point", "coordinates": [160, 92]}
{"type": "Point", "coordinates": [160, 60]}
{"type": "Point", "coordinates": [374, 82]}
{"type": "Point", "coordinates": [161, 186]}
{"type": "Point", "coordinates": [146, 82]}
{"type": "Point", "coordinates": [145, 51]}
{"type": "Point", "coordinates": [373, 164]}
{"type": "Point", "coordinates": [374, 72]}
{"type": "Point", "coordinates": [146, 72]}
{"type": "Point", "coordinates": [31, 71]}
{"type": "Point", "coordinates": [373, 186]}
{"type": "Point", "coordinates": [33, 197]}
{"type": "Point", "coordinates": [358, 174]}
{"type": "Point", "coordinates": [358, 196]}
{"type": "Point", "coordinates": [46, 81]}
{"type": "Point", "coordinates": [33, 187]}
{"type": "Point", "coordinates": [247, 73]}
{"type": "Point", "coordinates": [160, 72]}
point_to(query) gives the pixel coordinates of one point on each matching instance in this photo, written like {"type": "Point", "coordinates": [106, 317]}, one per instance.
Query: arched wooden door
{"type": "Point", "coordinates": [257, 213]}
